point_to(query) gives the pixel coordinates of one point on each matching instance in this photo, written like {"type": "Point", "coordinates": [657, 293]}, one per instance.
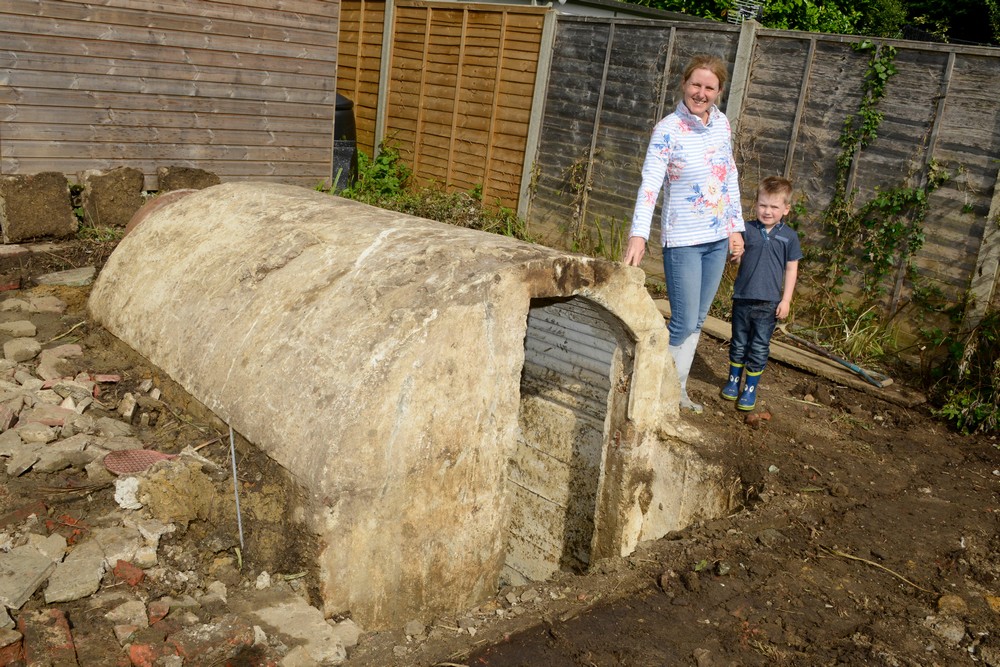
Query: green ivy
{"type": "Point", "coordinates": [967, 377]}
{"type": "Point", "coordinates": [888, 230]}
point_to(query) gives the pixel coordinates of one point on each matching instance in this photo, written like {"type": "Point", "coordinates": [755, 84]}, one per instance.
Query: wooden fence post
{"type": "Point", "coordinates": [983, 286]}
{"type": "Point", "coordinates": [384, 74]}
{"type": "Point", "coordinates": [537, 112]}
{"type": "Point", "coordinates": [741, 72]}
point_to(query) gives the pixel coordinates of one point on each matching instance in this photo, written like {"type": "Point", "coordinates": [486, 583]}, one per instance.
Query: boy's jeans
{"type": "Point", "coordinates": [753, 324]}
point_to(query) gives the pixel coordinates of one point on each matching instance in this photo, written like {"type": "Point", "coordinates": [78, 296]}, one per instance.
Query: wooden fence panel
{"type": "Point", "coordinates": [359, 60]}
{"type": "Point", "coordinates": [939, 113]}
{"type": "Point", "coordinates": [460, 92]}
{"type": "Point", "coordinates": [967, 146]}
{"type": "Point", "coordinates": [610, 83]}
{"type": "Point", "coordinates": [239, 89]}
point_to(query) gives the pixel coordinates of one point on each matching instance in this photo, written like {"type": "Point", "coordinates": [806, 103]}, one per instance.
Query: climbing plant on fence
{"type": "Point", "coordinates": [881, 238]}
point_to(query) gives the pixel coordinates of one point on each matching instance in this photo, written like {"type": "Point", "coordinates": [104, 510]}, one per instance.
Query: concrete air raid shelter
{"type": "Point", "coordinates": [462, 409]}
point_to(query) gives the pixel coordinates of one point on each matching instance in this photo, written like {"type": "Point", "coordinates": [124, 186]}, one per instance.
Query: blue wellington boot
{"type": "Point", "coordinates": [732, 389]}
{"type": "Point", "coordinates": [748, 397]}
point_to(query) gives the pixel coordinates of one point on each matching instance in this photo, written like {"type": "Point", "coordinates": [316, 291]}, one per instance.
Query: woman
{"type": "Point", "coordinates": [690, 158]}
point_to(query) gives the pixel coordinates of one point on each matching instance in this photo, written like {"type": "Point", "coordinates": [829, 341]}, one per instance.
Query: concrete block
{"type": "Point", "coordinates": [45, 414]}
{"type": "Point", "coordinates": [21, 462]}
{"type": "Point", "coordinates": [22, 571]}
{"type": "Point", "coordinates": [109, 427]}
{"type": "Point", "coordinates": [18, 329]}
{"type": "Point", "coordinates": [48, 304]}
{"type": "Point", "coordinates": [78, 576]}
{"type": "Point", "coordinates": [299, 624]}
{"type": "Point", "coordinates": [9, 412]}
{"type": "Point", "coordinates": [71, 277]}
{"type": "Point", "coordinates": [347, 633]}
{"type": "Point", "coordinates": [52, 361]}
{"type": "Point", "coordinates": [110, 198]}
{"type": "Point", "coordinates": [35, 206]}
{"type": "Point", "coordinates": [52, 547]}
{"type": "Point", "coordinates": [21, 349]}
{"type": "Point", "coordinates": [74, 389]}
{"type": "Point", "coordinates": [10, 443]}
{"type": "Point", "coordinates": [63, 454]}
{"type": "Point", "coordinates": [117, 543]}
{"type": "Point", "coordinates": [35, 432]}
{"type": "Point", "coordinates": [132, 612]}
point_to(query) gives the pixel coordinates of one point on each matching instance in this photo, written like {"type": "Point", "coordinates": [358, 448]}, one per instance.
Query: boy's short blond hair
{"type": "Point", "coordinates": [776, 185]}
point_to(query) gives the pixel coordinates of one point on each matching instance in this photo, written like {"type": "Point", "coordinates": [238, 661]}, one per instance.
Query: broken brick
{"type": "Point", "coordinates": [146, 655]}
{"type": "Point", "coordinates": [129, 573]}
{"type": "Point", "coordinates": [214, 642]}
{"type": "Point", "coordinates": [37, 508]}
{"type": "Point", "coordinates": [107, 377]}
{"type": "Point", "coordinates": [11, 653]}
{"type": "Point", "coordinates": [158, 610]}
{"type": "Point", "coordinates": [47, 638]}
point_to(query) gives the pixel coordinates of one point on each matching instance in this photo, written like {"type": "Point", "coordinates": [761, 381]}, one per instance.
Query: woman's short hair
{"type": "Point", "coordinates": [713, 64]}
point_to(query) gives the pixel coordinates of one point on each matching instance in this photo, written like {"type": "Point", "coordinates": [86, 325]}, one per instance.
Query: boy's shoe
{"type": "Point", "coordinates": [732, 389]}
{"type": "Point", "coordinates": [748, 397]}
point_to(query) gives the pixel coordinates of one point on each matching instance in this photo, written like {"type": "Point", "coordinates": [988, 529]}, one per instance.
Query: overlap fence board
{"type": "Point", "coordinates": [361, 30]}
{"type": "Point", "coordinates": [247, 90]}
{"type": "Point", "coordinates": [610, 82]}
{"type": "Point", "coordinates": [456, 96]}
{"type": "Point", "coordinates": [244, 90]}
{"type": "Point", "coordinates": [939, 112]}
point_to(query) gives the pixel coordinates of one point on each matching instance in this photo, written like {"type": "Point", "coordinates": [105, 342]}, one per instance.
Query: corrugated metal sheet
{"type": "Point", "coordinates": [573, 352]}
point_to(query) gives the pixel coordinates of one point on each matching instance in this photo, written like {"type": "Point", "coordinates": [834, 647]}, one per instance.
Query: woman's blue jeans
{"type": "Point", "coordinates": [693, 275]}
{"type": "Point", "coordinates": [753, 325]}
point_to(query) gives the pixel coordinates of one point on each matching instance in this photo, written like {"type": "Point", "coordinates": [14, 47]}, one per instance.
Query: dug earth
{"type": "Point", "coordinates": [868, 534]}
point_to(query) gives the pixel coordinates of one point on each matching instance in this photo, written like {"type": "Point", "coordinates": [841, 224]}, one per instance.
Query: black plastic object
{"type": "Point", "coordinates": [345, 145]}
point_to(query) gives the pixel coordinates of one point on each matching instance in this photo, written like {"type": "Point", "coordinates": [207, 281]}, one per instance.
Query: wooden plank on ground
{"type": "Point", "coordinates": [812, 363]}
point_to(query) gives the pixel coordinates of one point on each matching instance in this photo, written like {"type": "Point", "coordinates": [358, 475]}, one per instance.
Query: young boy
{"type": "Point", "coordinates": [763, 289]}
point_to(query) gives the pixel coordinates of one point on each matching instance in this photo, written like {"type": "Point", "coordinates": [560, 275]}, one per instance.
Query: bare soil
{"type": "Point", "coordinates": [869, 536]}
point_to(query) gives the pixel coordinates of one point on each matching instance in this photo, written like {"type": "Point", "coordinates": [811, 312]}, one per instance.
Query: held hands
{"type": "Point", "coordinates": [635, 250]}
{"type": "Point", "coordinates": [735, 247]}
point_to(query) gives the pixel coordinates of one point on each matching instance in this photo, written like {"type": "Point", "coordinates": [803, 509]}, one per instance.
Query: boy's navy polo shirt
{"type": "Point", "coordinates": [762, 268]}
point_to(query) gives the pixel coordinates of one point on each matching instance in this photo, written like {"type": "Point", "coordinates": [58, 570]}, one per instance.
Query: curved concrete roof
{"type": "Point", "coordinates": [377, 357]}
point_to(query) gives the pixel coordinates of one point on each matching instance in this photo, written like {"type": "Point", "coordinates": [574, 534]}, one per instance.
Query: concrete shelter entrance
{"type": "Point", "coordinates": [574, 391]}
{"type": "Point", "coordinates": [460, 408]}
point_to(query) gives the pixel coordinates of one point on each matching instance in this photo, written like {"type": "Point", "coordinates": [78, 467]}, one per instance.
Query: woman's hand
{"type": "Point", "coordinates": [735, 246]}
{"type": "Point", "coordinates": [635, 250]}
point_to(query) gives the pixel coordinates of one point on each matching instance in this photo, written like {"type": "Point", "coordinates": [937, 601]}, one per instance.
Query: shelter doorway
{"type": "Point", "coordinates": [578, 360]}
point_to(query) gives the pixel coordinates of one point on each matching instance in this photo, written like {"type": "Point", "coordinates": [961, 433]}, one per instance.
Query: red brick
{"type": "Point", "coordinates": [11, 653]}
{"type": "Point", "coordinates": [145, 655]}
{"type": "Point", "coordinates": [37, 508]}
{"type": "Point", "coordinates": [107, 377]}
{"type": "Point", "coordinates": [215, 642]}
{"type": "Point", "coordinates": [47, 638]}
{"type": "Point", "coordinates": [129, 573]}
{"type": "Point", "coordinates": [158, 610]}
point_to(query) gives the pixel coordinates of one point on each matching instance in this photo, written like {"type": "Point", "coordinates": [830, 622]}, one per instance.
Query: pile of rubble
{"type": "Point", "coordinates": [101, 584]}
